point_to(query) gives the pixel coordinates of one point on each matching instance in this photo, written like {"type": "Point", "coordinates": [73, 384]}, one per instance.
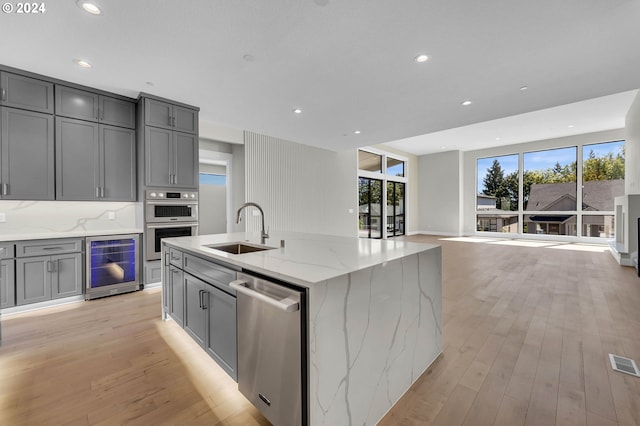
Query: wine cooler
{"type": "Point", "coordinates": [113, 265]}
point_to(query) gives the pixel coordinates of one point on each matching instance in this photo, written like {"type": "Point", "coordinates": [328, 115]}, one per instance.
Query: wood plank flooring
{"type": "Point", "coordinates": [527, 331]}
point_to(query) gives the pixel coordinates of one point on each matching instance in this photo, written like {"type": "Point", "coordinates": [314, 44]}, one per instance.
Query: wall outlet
{"type": "Point", "coordinates": [256, 212]}
{"type": "Point", "coordinates": [351, 211]}
{"type": "Point", "coordinates": [111, 215]}
{"type": "Point", "coordinates": [3, 217]}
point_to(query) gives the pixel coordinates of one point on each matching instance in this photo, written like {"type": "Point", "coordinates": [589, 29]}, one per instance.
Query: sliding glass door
{"type": "Point", "coordinates": [369, 208]}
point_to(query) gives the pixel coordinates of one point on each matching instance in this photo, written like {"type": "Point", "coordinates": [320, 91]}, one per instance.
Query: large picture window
{"type": "Point", "coordinates": [552, 201]}
{"type": "Point", "coordinates": [370, 208]}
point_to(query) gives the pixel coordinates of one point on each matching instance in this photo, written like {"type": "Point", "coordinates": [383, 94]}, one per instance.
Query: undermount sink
{"type": "Point", "coordinates": [238, 247]}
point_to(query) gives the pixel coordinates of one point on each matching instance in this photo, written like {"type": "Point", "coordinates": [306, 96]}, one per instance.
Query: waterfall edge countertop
{"type": "Point", "coordinates": [305, 259]}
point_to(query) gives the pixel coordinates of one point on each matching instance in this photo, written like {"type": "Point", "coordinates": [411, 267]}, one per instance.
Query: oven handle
{"type": "Point", "coordinates": [171, 225]}
{"type": "Point", "coordinates": [172, 203]}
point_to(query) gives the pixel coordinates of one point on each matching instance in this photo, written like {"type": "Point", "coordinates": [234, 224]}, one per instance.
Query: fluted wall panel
{"type": "Point", "coordinates": [300, 188]}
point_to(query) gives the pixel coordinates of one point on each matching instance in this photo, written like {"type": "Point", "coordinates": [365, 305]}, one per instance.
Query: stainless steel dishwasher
{"type": "Point", "coordinates": [270, 348]}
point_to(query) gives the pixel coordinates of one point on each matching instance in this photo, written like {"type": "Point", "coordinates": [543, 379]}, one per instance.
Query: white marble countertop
{"type": "Point", "coordinates": [306, 258]}
{"type": "Point", "coordinates": [71, 234]}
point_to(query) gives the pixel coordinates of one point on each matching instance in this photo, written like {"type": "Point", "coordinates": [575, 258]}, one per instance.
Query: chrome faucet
{"type": "Point", "coordinates": [264, 234]}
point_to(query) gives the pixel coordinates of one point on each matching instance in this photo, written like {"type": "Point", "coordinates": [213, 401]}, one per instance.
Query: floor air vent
{"type": "Point", "coordinates": [624, 365]}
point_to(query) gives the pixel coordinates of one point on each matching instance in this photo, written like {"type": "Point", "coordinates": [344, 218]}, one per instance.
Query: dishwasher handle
{"type": "Point", "coordinates": [287, 305]}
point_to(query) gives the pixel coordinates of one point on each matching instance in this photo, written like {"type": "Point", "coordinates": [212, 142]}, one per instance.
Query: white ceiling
{"type": "Point", "coordinates": [349, 64]}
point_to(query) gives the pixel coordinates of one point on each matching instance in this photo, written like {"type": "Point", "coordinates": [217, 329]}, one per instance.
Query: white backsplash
{"type": "Point", "coordinates": [27, 217]}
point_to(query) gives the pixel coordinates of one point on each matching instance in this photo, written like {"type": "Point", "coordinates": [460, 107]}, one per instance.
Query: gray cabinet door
{"type": "Point", "coordinates": [195, 321]}
{"type": "Point", "coordinates": [186, 160]}
{"type": "Point", "coordinates": [158, 156]}
{"type": "Point", "coordinates": [66, 275]}
{"type": "Point", "coordinates": [77, 159]}
{"type": "Point", "coordinates": [27, 155]}
{"type": "Point", "coordinates": [158, 114]}
{"type": "Point", "coordinates": [75, 103]}
{"type": "Point", "coordinates": [185, 119]}
{"type": "Point", "coordinates": [33, 279]}
{"type": "Point", "coordinates": [7, 284]}
{"type": "Point", "coordinates": [118, 164]}
{"type": "Point", "coordinates": [117, 112]}
{"type": "Point", "coordinates": [176, 295]}
{"type": "Point", "coordinates": [27, 93]}
{"type": "Point", "coordinates": [221, 342]}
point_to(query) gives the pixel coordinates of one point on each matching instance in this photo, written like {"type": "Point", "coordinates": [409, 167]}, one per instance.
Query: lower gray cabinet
{"type": "Point", "coordinates": [48, 269]}
{"type": "Point", "coordinates": [195, 313]}
{"type": "Point", "coordinates": [209, 314]}
{"type": "Point", "coordinates": [221, 336]}
{"type": "Point", "coordinates": [173, 294]}
{"type": "Point", "coordinates": [44, 278]}
{"type": "Point", "coordinates": [7, 277]}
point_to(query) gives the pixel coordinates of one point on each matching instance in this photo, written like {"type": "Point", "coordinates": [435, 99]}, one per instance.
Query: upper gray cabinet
{"type": "Point", "coordinates": [26, 155]}
{"type": "Point", "coordinates": [170, 147]}
{"type": "Point", "coordinates": [26, 93]}
{"type": "Point", "coordinates": [94, 162]}
{"type": "Point", "coordinates": [169, 116]}
{"type": "Point", "coordinates": [84, 105]}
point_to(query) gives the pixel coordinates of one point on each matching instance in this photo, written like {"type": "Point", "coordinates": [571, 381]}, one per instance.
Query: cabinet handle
{"type": "Point", "coordinates": [49, 267]}
{"type": "Point", "coordinates": [5, 189]}
{"type": "Point", "coordinates": [200, 298]}
{"type": "Point", "coordinates": [102, 192]}
{"type": "Point", "coordinates": [170, 121]}
{"type": "Point", "coordinates": [166, 259]}
{"type": "Point", "coordinates": [97, 192]}
{"type": "Point", "coordinates": [174, 122]}
{"type": "Point", "coordinates": [204, 299]}
{"type": "Point", "coordinates": [53, 248]}
{"type": "Point", "coordinates": [4, 94]}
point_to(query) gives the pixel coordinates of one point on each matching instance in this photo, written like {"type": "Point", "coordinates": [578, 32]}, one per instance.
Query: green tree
{"type": "Point", "coordinates": [493, 180]}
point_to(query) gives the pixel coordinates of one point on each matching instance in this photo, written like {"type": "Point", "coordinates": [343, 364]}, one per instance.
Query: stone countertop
{"type": "Point", "coordinates": [306, 259]}
{"type": "Point", "coordinates": [72, 234]}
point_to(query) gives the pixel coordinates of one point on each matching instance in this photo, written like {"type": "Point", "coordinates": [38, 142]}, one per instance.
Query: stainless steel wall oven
{"type": "Point", "coordinates": [168, 214]}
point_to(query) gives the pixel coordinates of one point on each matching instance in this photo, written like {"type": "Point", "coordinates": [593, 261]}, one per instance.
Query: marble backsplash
{"type": "Point", "coordinates": [32, 217]}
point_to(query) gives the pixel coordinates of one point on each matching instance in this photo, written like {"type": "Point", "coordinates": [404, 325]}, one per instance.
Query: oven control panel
{"type": "Point", "coordinates": [152, 194]}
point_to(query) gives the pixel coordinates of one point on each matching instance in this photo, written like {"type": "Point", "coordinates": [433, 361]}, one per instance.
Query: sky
{"type": "Point", "coordinates": [542, 160]}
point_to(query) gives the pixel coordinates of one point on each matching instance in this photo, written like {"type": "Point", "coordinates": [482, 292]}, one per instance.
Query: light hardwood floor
{"type": "Point", "coordinates": [527, 331]}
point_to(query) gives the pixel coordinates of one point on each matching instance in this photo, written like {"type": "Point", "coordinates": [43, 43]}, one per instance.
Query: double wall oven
{"type": "Point", "coordinates": [168, 214]}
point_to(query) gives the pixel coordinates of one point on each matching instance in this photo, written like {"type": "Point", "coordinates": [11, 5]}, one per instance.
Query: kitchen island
{"type": "Point", "coordinates": [373, 314]}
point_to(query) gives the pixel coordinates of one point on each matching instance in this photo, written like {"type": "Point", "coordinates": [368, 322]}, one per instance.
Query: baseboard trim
{"type": "Point", "coordinates": [41, 305]}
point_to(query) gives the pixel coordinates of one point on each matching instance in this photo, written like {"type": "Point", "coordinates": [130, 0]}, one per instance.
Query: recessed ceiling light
{"type": "Point", "coordinates": [149, 83]}
{"type": "Point", "coordinates": [421, 58]}
{"type": "Point", "coordinates": [357, 132]}
{"type": "Point", "coordinates": [82, 63]}
{"type": "Point", "coordinates": [571, 126]}
{"type": "Point", "coordinates": [297, 111]}
{"type": "Point", "coordinates": [523, 88]}
{"type": "Point", "coordinates": [466, 103]}
{"type": "Point", "coordinates": [497, 139]}
{"type": "Point", "coordinates": [89, 7]}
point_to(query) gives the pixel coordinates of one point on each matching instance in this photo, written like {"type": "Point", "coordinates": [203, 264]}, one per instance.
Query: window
{"type": "Point", "coordinates": [497, 194]}
{"type": "Point", "coordinates": [212, 179]}
{"type": "Point", "coordinates": [369, 161]}
{"type": "Point", "coordinates": [382, 187]}
{"type": "Point", "coordinates": [395, 167]}
{"type": "Point", "coordinates": [550, 192]}
{"type": "Point", "coordinates": [602, 175]}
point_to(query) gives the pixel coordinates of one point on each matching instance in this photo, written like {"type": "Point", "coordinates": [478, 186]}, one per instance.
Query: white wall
{"type": "Point", "coordinates": [301, 188]}
{"type": "Point", "coordinates": [440, 201]}
{"type": "Point", "coordinates": [632, 130]}
{"type": "Point", "coordinates": [468, 188]}
{"type": "Point", "coordinates": [239, 185]}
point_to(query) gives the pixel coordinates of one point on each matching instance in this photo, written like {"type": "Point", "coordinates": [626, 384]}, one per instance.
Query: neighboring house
{"type": "Point", "coordinates": [560, 197]}
{"type": "Point", "coordinates": [486, 202]}
{"type": "Point", "coordinates": [495, 220]}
